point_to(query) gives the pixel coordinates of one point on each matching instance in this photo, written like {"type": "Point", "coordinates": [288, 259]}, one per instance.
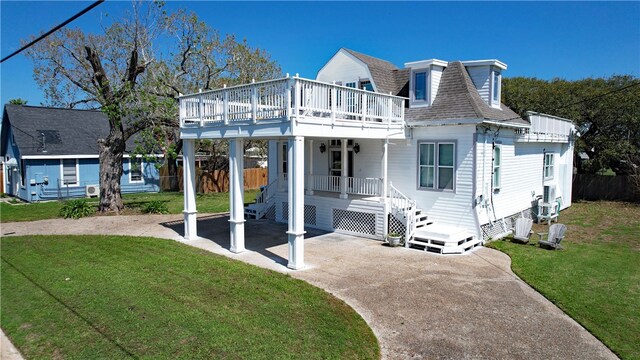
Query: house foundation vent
{"type": "Point", "coordinates": [354, 221]}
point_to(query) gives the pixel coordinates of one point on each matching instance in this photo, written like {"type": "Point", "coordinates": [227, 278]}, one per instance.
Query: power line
{"type": "Point", "coordinates": [52, 30]}
{"type": "Point", "coordinates": [585, 100]}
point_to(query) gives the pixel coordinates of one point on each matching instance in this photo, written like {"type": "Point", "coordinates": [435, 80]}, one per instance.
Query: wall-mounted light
{"type": "Point", "coordinates": [356, 148]}
{"type": "Point", "coordinates": [323, 148]}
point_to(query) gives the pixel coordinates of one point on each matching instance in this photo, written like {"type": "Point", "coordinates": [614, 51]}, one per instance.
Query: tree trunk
{"type": "Point", "coordinates": [172, 167]}
{"type": "Point", "coordinates": [111, 152]}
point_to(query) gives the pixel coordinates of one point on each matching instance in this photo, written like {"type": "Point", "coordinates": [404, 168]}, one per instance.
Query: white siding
{"type": "Point", "coordinates": [443, 207]}
{"type": "Point", "coordinates": [436, 74]}
{"type": "Point", "coordinates": [345, 68]}
{"type": "Point", "coordinates": [522, 175]}
{"type": "Point", "coordinates": [480, 76]}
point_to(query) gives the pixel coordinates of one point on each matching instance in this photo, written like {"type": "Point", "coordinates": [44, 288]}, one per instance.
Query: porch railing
{"type": "Point", "coordinates": [404, 207]}
{"type": "Point", "coordinates": [355, 186]}
{"type": "Point", "coordinates": [280, 99]}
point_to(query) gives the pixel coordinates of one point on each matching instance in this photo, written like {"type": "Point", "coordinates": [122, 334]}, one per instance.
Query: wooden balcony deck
{"type": "Point", "coordinates": [290, 106]}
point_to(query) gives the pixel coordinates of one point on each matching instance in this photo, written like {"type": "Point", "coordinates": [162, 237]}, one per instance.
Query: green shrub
{"type": "Point", "coordinates": [76, 209]}
{"type": "Point", "coordinates": [155, 207]}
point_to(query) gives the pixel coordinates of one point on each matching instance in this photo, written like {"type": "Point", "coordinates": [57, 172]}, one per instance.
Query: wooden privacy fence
{"type": "Point", "coordinates": [215, 181]}
{"type": "Point", "coordinates": [603, 187]}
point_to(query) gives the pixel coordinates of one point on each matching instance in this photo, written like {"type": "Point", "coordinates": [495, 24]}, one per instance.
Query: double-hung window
{"type": "Point", "coordinates": [436, 165]}
{"type": "Point", "coordinates": [69, 169]}
{"type": "Point", "coordinates": [497, 163]}
{"type": "Point", "coordinates": [548, 166]}
{"type": "Point", "coordinates": [135, 169]}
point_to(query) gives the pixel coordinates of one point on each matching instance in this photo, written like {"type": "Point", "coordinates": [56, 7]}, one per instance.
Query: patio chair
{"type": "Point", "coordinates": [522, 230]}
{"type": "Point", "coordinates": [555, 235]}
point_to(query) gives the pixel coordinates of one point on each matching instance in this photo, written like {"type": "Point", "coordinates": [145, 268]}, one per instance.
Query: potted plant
{"type": "Point", "coordinates": [393, 239]}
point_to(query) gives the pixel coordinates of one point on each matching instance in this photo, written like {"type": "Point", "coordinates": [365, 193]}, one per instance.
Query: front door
{"type": "Point", "coordinates": [336, 163]}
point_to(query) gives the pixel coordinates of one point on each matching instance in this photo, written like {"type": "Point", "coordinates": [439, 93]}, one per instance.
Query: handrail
{"type": "Point", "coordinates": [405, 206]}
{"type": "Point", "coordinates": [284, 98]}
{"type": "Point", "coordinates": [267, 192]}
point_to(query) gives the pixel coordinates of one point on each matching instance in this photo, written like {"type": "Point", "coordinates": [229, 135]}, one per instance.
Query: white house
{"type": "Point", "coordinates": [368, 149]}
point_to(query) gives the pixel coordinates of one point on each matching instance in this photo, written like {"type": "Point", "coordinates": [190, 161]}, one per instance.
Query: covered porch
{"type": "Point", "coordinates": [317, 135]}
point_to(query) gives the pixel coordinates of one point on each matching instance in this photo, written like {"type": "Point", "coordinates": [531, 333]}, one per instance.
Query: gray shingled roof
{"type": "Point", "coordinates": [458, 99]}
{"type": "Point", "coordinates": [382, 72]}
{"type": "Point", "coordinates": [66, 131]}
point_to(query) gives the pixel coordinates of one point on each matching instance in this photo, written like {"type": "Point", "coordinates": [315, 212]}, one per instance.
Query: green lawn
{"type": "Point", "coordinates": [90, 297]}
{"type": "Point", "coordinates": [206, 203]}
{"type": "Point", "coordinates": [596, 278]}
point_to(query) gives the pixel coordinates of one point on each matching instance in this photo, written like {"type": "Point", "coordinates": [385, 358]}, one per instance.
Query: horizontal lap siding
{"type": "Point", "coordinates": [480, 78]}
{"type": "Point", "coordinates": [342, 68]}
{"type": "Point", "coordinates": [449, 208]}
{"type": "Point", "coordinates": [436, 74]}
{"type": "Point", "coordinates": [521, 174]}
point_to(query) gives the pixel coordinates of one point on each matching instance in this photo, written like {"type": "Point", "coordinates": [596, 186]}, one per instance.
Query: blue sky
{"type": "Point", "coordinates": [570, 40]}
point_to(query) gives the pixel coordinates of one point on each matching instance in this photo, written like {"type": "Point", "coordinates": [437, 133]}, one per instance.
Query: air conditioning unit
{"type": "Point", "coordinates": [549, 194]}
{"type": "Point", "coordinates": [92, 190]}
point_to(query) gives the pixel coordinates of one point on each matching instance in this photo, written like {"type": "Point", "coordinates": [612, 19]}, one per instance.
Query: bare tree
{"type": "Point", "coordinates": [134, 71]}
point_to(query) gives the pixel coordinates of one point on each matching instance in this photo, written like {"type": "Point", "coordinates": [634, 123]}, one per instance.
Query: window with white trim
{"type": "Point", "coordinates": [436, 165]}
{"type": "Point", "coordinates": [548, 166]}
{"type": "Point", "coordinates": [497, 163]}
{"type": "Point", "coordinates": [69, 171]}
{"type": "Point", "coordinates": [420, 86]}
{"type": "Point", "coordinates": [495, 88]}
{"type": "Point", "coordinates": [135, 170]}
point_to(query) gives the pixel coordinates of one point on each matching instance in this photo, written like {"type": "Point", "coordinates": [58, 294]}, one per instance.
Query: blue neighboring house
{"type": "Point", "coordinates": [52, 153]}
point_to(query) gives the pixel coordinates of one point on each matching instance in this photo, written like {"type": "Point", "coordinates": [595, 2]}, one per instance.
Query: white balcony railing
{"type": "Point", "coordinates": [355, 186]}
{"type": "Point", "coordinates": [279, 100]}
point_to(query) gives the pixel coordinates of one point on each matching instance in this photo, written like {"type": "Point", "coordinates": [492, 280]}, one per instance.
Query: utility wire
{"type": "Point", "coordinates": [585, 100]}
{"type": "Point", "coordinates": [52, 30]}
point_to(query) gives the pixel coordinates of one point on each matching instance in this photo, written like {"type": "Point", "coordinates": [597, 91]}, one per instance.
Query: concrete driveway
{"type": "Point", "coordinates": [419, 305]}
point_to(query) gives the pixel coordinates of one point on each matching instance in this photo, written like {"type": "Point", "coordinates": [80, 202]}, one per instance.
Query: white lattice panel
{"type": "Point", "coordinates": [310, 215]}
{"type": "Point", "coordinates": [396, 226]}
{"type": "Point", "coordinates": [285, 211]}
{"type": "Point", "coordinates": [270, 213]}
{"type": "Point", "coordinates": [500, 227]}
{"type": "Point", "coordinates": [354, 221]}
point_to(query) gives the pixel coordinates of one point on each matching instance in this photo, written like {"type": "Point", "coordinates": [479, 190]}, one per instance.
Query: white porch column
{"type": "Point", "coordinates": [295, 170]}
{"type": "Point", "coordinates": [344, 169]}
{"type": "Point", "coordinates": [189, 184]}
{"type": "Point", "coordinates": [273, 161]}
{"type": "Point", "coordinates": [385, 186]}
{"type": "Point", "coordinates": [310, 172]}
{"type": "Point", "coordinates": [236, 194]}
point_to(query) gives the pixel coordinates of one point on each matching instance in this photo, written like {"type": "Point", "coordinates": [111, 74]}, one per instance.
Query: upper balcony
{"type": "Point", "coordinates": [291, 107]}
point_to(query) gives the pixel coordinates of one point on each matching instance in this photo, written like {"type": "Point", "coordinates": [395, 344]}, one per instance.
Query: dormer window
{"type": "Point", "coordinates": [495, 93]}
{"type": "Point", "coordinates": [420, 86]}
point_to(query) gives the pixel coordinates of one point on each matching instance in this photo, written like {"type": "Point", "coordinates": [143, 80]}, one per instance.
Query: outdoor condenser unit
{"type": "Point", "coordinates": [92, 190]}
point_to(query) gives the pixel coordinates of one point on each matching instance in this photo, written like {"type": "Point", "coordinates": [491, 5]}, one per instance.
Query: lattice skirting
{"type": "Point", "coordinates": [270, 213]}
{"type": "Point", "coordinates": [502, 226]}
{"type": "Point", "coordinates": [396, 226]}
{"type": "Point", "coordinates": [309, 213]}
{"type": "Point", "coordinates": [354, 221]}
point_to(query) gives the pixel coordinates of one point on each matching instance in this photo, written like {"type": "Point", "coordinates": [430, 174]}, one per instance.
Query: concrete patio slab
{"type": "Point", "coordinates": [419, 305]}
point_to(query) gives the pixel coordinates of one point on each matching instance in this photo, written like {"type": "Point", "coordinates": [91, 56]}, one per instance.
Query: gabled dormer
{"type": "Point", "coordinates": [486, 75]}
{"type": "Point", "coordinates": [424, 79]}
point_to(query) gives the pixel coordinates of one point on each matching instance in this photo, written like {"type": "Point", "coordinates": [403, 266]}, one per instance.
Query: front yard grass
{"type": "Point", "coordinates": [90, 297]}
{"type": "Point", "coordinates": [206, 203]}
{"type": "Point", "coordinates": [596, 278]}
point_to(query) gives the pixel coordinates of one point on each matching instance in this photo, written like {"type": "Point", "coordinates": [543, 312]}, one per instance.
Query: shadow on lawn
{"type": "Point", "coordinates": [260, 235]}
